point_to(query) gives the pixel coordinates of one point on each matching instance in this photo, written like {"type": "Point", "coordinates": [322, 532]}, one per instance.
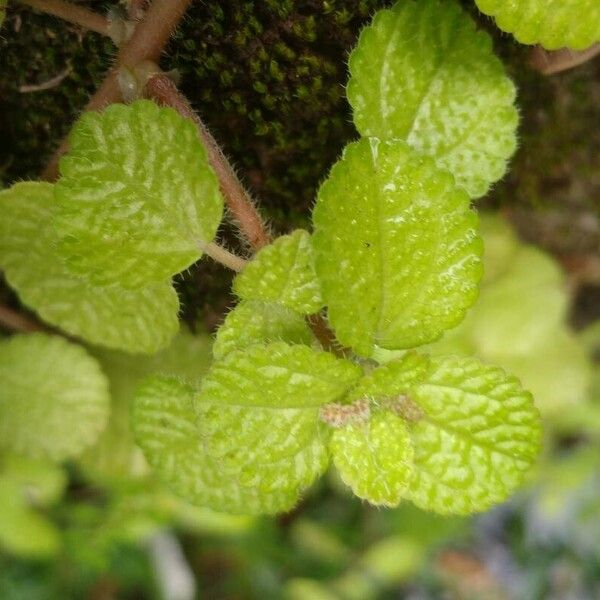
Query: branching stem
{"type": "Point", "coordinates": [72, 13]}
{"type": "Point", "coordinates": [239, 203]}
{"type": "Point", "coordinates": [16, 321]}
{"type": "Point", "coordinates": [223, 256]}
{"type": "Point", "coordinates": [146, 43]}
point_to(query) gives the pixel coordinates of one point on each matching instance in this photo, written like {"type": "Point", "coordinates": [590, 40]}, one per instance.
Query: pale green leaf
{"type": "Point", "coordinates": [423, 73]}
{"type": "Point", "coordinates": [137, 198]}
{"type": "Point", "coordinates": [143, 319]}
{"type": "Point", "coordinates": [54, 398]}
{"type": "Point", "coordinates": [277, 376]}
{"type": "Point", "coordinates": [115, 455]}
{"type": "Point", "coordinates": [284, 273]}
{"type": "Point", "coordinates": [552, 23]}
{"type": "Point", "coordinates": [23, 531]}
{"type": "Point", "coordinates": [500, 245]}
{"type": "Point", "coordinates": [166, 427]}
{"type": "Point", "coordinates": [43, 481]}
{"type": "Point", "coordinates": [374, 458]}
{"type": "Point", "coordinates": [252, 322]}
{"type": "Point", "coordinates": [396, 248]}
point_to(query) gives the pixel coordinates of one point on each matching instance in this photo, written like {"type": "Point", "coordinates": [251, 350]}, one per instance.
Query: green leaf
{"type": "Point", "coordinates": [283, 272]}
{"type": "Point", "coordinates": [2, 10]}
{"type": "Point", "coordinates": [115, 455]}
{"type": "Point", "coordinates": [552, 23]}
{"type": "Point", "coordinates": [423, 73]}
{"type": "Point", "coordinates": [396, 248]}
{"type": "Point", "coordinates": [137, 320]}
{"type": "Point", "coordinates": [500, 246]}
{"type": "Point", "coordinates": [137, 199]}
{"type": "Point", "coordinates": [54, 398]}
{"type": "Point", "coordinates": [277, 376]}
{"type": "Point", "coordinates": [375, 458]}
{"type": "Point", "coordinates": [474, 430]}
{"type": "Point", "coordinates": [259, 322]}
{"type": "Point", "coordinates": [167, 429]}
{"type": "Point", "coordinates": [43, 482]}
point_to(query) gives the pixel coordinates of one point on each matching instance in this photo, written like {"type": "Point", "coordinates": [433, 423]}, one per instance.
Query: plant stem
{"type": "Point", "coordinates": [223, 256]}
{"type": "Point", "coordinates": [238, 201]}
{"type": "Point", "coordinates": [550, 62]}
{"type": "Point", "coordinates": [15, 321]}
{"type": "Point", "coordinates": [146, 43]}
{"type": "Point", "coordinates": [73, 13]}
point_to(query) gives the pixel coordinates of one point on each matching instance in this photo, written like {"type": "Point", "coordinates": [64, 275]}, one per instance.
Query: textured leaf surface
{"type": "Point", "coordinates": [375, 458]}
{"type": "Point", "coordinates": [137, 197]}
{"type": "Point", "coordinates": [252, 322]}
{"type": "Point", "coordinates": [476, 436]}
{"type": "Point", "coordinates": [137, 320]}
{"type": "Point", "coordinates": [276, 376]}
{"type": "Point", "coordinates": [551, 23]}
{"type": "Point", "coordinates": [422, 73]}
{"type": "Point", "coordinates": [396, 248]}
{"type": "Point", "coordinates": [283, 272]}
{"type": "Point", "coordinates": [167, 429]}
{"type": "Point", "coordinates": [115, 455]}
{"type": "Point", "coordinates": [54, 398]}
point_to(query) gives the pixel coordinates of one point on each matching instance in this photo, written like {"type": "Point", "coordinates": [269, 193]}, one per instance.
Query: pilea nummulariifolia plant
{"type": "Point", "coordinates": [319, 362]}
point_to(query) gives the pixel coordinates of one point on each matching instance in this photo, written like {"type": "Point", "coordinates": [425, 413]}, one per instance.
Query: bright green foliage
{"type": "Point", "coordinates": [252, 322]}
{"type": "Point", "coordinates": [375, 458]}
{"type": "Point", "coordinates": [283, 272]}
{"type": "Point", "coordinates": [551, 23]}
{"type": "Point", "coordinates": [278, 375]}
{"type": "Point", "coordinates": [166, 427]}
{"type": "Point", "coordinates": [115, 455]}
{"type": "Point", "coordinates": [138, 320]}
{"type": "Point", "coordinates": [396, 248]}
{"type": "Point", "coordinates": [137, 199]}
{"type": "Point", "coordinates": [54, 398]}
{"type": "Point", "coordinates": [422, 73]}
{"type": "Point", "coordinates": [474, 430]}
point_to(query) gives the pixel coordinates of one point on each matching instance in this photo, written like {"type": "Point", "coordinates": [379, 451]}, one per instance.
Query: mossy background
{"type": "Point", "coordinates": [268, 78]}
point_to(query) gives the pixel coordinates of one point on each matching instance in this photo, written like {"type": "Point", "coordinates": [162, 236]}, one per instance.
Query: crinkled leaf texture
{"type": "Point", "coordinates": [396, 247]}
{"type": "Point", "coordinates": [475, 431]}
{"type": "Point", "coordinates": [143, 319]}
{"type": "Point", "coordinates": [254, 322]}
{"type": "Point", "coordinates": [552, 23]}
{"type": "Point", "coordinates": [137, 198]}
{"type": "Point", "coordinates": [250, 440]}
{"type": "Point", "coordinates": [375, 458]}
{"type": "Point", "coordinates": [283, 272]}
{"type": "Point", "coordinates": [421, 72]}
{"type": "Point", "coordinates": [54, 399]}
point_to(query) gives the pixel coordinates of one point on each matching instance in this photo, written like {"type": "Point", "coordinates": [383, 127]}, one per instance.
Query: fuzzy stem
{"type": "Point", "coordinates": [146, 43]}
{"type": "Point", "coordinates": [550, 62]}
{"type": "Point", "coordinates": [223, 256]}
{"type": "Point", "coordinates": [15, 321]}
{"type": "Point", "coordinates": [239, 203]}
{"type": "Point", "coordinates": [73, 13]}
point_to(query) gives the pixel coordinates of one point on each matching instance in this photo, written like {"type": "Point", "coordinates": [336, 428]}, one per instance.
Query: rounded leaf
{"type": "Point", "coordinates": [374, 458]}
{"type": "Point", "coordinates": [253, 322]}
{"type": "Point", "coordinates": [54, 398]}
{"type": "Point", "coordinates": [396, 248]}
{"type": "Point", "coordinates": [143, 319]}
{"type": "Point", "coordinates": [475, 435]}
{"type": "Point", "coordinates": [552, 23]}
{"type": "Point", "coordinates": [278, 375]}
{"type": "Point", "coordinates": [283, 272]}
{"type": "Point", "coordinates": [423, 73]}
{"type": "Point", "coordinates": [137, 198]}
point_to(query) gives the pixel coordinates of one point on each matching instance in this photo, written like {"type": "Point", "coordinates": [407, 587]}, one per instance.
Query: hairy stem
{"type": "Point", "coordinates": [146, 43]}
{"type": "Point", "coordinates": [550, 62]}
{"type": "Point", "coordinates": [73, 13]}
{"type": "Point", "coordinates": [223, 256]}
{"type": "Point", "coordinates": [15, 321]}
{"type": "Point", "coordinates": [239, 203]}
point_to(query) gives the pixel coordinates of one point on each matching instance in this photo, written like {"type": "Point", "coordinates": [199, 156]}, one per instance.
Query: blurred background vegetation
{"type": "Point", "coordinates": [268, 79]}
